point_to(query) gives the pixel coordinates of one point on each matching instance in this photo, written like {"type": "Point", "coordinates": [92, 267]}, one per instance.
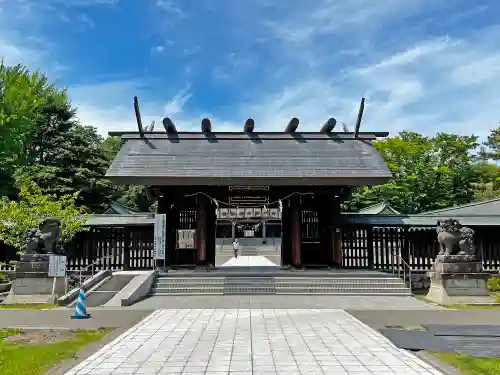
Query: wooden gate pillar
{"type": "Point", "coordinates": [168, 204]}
{"type": "Point", "coordinates": [202, 216]}
{"type": "Point", "coordinates": [295, 230]}
{"type": "Point", "coordinates": [286, 235]}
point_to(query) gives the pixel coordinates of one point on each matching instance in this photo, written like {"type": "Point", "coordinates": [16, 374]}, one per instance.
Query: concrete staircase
{"type": "Point", "coordinates": [249, 285]}
{"type": "Point", "coordinates": [277, 284]}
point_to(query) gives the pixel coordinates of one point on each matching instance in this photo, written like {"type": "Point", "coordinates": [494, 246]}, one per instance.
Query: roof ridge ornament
{"type": "Point", "coordinates": [206, 125]}
{"type": "Point", "coordinates": [138, 117]}
{"type": "Point", "coordinates": [360, 117]}
{"type": "Point", "coordinates": [292, 125]}
{"type": "Point", "coordinates": [329, 125]}
{"type": "Point", "coordinates": [169, 125]}
{"type": "Point", "coordinates": [249, 126]}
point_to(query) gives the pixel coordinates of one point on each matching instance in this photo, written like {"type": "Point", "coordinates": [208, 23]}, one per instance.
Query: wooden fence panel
{"type": "Point", "coordinates": [356, 253]}
{"type": "Point", "coordinates": [378, 247]}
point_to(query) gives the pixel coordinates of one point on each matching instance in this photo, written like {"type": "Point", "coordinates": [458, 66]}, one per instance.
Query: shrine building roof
{"type": "Point", "coordinates": [263, 158]}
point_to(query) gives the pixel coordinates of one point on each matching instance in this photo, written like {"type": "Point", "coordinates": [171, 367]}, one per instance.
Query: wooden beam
{"type": "Point", "coordinates": [263, 135]}
{"type": "Point", "coordinates": [138, 117]}
{"type": "Point", "coordinates": [360, 117]}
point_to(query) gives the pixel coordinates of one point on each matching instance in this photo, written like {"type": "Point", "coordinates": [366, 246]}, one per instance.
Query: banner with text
{"type": "Point", "coordinates": [160, 232]}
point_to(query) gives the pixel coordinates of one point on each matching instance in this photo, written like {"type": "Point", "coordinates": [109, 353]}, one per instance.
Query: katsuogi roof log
{"type": "Point", "coordinates": [206, 126]}
{"type": "Point", "coordinates": [328, 126]}
{"type": "Point", "coordinates": [292, 125]}
{"type": "Point", "coordinates": [169, 125]}
{"type": "Point", "coordinates": [249, 126]}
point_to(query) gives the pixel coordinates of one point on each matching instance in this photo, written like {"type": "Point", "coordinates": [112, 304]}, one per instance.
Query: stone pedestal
{"type": "Point", "coordinates": [457, 279]}
{"type": "Point", "coordinates": [31, 283]}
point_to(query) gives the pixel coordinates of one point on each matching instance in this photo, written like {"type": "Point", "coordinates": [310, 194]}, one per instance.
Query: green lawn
{"type": "Point", "coordinates": [472, 365]}
{"type": "Point", "coordinates": [466, 307]}
{"type": "Point", "coordinates": [37, 359]}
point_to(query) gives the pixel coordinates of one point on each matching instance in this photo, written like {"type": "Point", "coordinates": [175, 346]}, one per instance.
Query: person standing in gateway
{"type": "Point", "coordinates": [236, 247]}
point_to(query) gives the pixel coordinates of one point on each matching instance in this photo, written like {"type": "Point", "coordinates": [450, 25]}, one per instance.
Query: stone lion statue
{"type": "Point", "coordinates": [455, 239]}
{"type": "Point", "coordinates": [44, 239]}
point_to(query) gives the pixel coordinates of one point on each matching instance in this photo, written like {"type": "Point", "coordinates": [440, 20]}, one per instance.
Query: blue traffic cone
{"type": "Point", "coordinates": [80, 308]}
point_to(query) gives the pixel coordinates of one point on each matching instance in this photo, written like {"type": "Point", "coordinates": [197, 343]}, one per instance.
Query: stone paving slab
{"type": "Point", "coordinates": [251, 341]}
{"type": "Point", "coordinates": [249, 261]}
{"type": "Point", "coordinates": [354, 302]}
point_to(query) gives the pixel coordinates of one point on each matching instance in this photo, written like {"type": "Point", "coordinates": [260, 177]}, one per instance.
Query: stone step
{"type": "Point", "coordinates": [270, 290]}
{"type": "Point", "coordinates": [280, 290]}
{"type": "Point", "coordinates": [258, 285]}
{"type": "Point", "coordinates": [298, 282]}
{"type": "Point", "coordinates": [186, 291]}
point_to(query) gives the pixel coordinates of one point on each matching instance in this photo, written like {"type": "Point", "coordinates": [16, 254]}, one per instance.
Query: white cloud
{"type": "Point", "coordinates": [176, 104]}
{"type": "Point", "coordinates": [315, 60]}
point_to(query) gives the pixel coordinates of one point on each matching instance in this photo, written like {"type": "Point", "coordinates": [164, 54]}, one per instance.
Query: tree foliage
{"type": "Point", "coordinates": [428, 173]}
{"type": "Point", "coordinates": [22, 93]}
{"type": "Point", "coordinates": [32, 207]}
{"type": "Point", "coordinates": [63, 157]}
{"type": "Point", "coordinates": [131, 196]}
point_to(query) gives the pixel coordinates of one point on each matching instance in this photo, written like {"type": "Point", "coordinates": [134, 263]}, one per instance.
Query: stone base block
{"type": "Point", "coordinates": [458, 288]}
{"type": "Point", "coordinates": [35, 290]}
{"type": "Point", "coordinates": [457, 267]}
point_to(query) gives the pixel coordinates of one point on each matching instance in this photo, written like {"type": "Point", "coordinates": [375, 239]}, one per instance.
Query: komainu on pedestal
{"type": "Point", "coordinates": [456, 275]}
{"type": "Point", "coordinates": [32, 283]}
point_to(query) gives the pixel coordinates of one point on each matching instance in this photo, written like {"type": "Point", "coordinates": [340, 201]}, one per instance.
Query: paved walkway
{"type": "Point", "coordinates": [249, 261]}
{"type": "Point", "coordinates": [251, 341]}
{"type": "Point", "coordinates": [284, 302]}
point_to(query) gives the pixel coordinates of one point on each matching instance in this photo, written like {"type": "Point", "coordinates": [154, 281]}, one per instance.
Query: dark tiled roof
{"type": "Point", "coordinates": [115, 208]}
{"type": "Point", "coordinates": [483, 208]}
{"type": "Point", "coordinates": [120, 220]}
{"type": "Point", "coordinates": [264, 158]}
{"type": "Point", "coordinates": [379, 209]}
{"type": "Point", "coordinates": [417, 220]}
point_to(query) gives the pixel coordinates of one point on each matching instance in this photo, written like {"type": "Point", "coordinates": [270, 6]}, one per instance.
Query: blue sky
{"type": "Point", "coordinates": [423, 65]}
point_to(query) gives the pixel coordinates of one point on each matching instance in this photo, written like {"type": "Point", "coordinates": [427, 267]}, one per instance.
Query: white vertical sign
{"type": "Point", "coordinates": [160, 232]}
{"type": "Point", "coordinates": [57, 266]}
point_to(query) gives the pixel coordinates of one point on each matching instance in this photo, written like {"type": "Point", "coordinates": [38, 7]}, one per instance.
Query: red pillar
{"type": "Point", "coordinates": [295, 229]}
{"type": "Point", "coordinates": [201, 228]}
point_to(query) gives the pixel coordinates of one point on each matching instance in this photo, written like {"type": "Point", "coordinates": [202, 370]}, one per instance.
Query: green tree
{"type": "Point", "coordinates": [33, 206]}
{"type": "Point", "coordinates": [22, 93]}
{"type": "Point", "coordinates": [428, 173]}
{"type": "Point", "coordinates": [493, 145]}
{"type": "Point", "coordinates": [71, 162]}
{"type": "Point", "coordinates": [132, 196]}
{"type": "Point", "coordinates": [487, 173]}
{"type": "Point", "coordinates": [64, 157]}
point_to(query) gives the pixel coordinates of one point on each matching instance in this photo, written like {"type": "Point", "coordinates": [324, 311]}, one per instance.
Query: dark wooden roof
{"type": "Point", "coordinates": [417, 220]}
{"type": "Point", "coordinates": [249, 158]}
{"type": "Point", "coordinates": [382, 208]}
{"type": "Point", "coordinates": [489, 207]}
{"type": "Point", "coordinates": [115, 208]}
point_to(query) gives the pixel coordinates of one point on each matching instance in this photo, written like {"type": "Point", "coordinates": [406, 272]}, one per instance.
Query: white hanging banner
{"type": "Point", "coordinates": [57, 266]}
{"type": "Point", "coordinates": [186, 238]}
{"type": "Point", "coordinates": [160, 232]}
